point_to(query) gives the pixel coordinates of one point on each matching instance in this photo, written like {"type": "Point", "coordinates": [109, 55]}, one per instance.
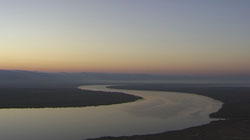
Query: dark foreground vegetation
{"type": "Point", "coordinates": [236, 110]}
{"type": "Point", "coordinates": [58, 97]}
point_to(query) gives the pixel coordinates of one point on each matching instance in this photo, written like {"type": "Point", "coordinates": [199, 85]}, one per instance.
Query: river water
{"type": "Point", "coordinates": [157, 112]}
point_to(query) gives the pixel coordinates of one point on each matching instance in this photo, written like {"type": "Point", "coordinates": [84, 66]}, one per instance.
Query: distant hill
{"type": "Point", "coordinates": [9, 78]}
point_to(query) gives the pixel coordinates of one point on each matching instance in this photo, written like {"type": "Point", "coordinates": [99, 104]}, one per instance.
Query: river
{"type": "Point", "coordinates": [157, 112]}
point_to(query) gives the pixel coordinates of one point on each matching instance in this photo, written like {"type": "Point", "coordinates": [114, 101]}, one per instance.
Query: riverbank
{"type": "Point", "coordinates": [59, 97]}
{"type": "Point", "coordinates": [236, 111]}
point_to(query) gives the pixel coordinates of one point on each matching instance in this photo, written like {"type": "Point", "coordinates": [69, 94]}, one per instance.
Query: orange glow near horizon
{"type": "Point", "coordinates": [123, 69]}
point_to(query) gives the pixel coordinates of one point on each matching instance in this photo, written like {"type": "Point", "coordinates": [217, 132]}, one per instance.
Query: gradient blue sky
{"type": "Point", "coordinates": [134, 36]}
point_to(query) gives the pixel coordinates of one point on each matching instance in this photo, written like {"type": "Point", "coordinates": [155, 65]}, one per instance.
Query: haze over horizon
{"type": "Point", "coordinates": [126, 36]}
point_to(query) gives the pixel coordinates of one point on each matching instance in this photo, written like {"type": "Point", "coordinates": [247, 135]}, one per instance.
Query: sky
{"type": "Point", "coordinates": [126, 36]}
